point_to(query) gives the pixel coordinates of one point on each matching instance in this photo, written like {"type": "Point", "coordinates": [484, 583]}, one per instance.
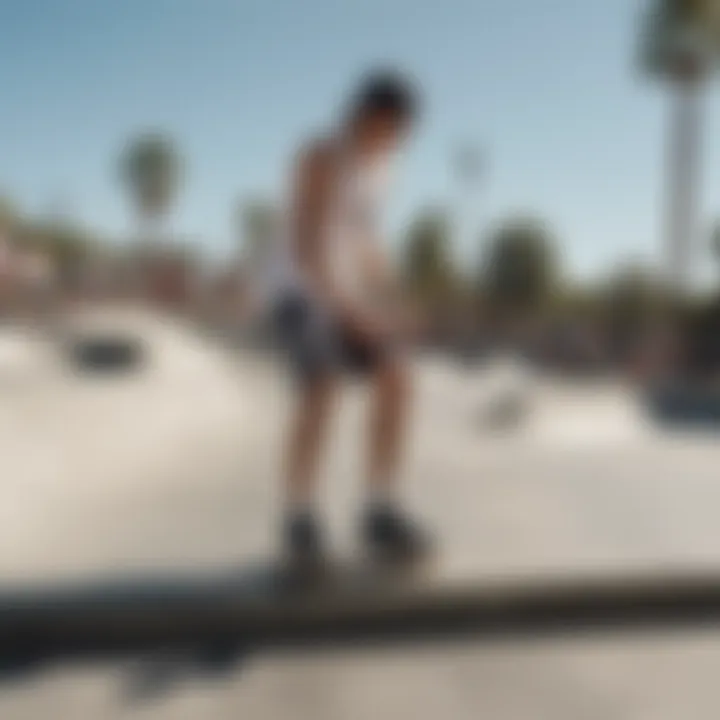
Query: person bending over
{"type": "Point", "coordinates": [338, 313]}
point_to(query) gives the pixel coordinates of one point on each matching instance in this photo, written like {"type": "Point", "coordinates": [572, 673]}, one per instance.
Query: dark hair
{"type": "Point", "coordinates": [385, 92]}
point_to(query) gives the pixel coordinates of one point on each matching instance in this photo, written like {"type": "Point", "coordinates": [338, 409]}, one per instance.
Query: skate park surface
{"type": "Point", "coordinates": [172, 470]}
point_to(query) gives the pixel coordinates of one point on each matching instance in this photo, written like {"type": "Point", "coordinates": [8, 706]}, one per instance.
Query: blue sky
{"type": "Point", "coordinates": [548, 87]}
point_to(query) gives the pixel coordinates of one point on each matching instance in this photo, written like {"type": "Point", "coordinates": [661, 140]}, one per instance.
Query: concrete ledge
{"type": "Point", "coordinates": [256, 608]}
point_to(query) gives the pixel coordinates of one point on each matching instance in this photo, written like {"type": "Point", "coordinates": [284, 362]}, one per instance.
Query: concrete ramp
{"type": "Point", "coordinates": [24, 354]}
{"type": "Point", "coordinates": [507, 397]}
{"type": "Point", "coordinates": [603, 416]}
{"type": "Point", "coordinates": [74, 447]}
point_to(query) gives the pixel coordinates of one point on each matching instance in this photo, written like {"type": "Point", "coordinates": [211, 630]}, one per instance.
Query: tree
{"type": "Point", "coordinates": [635, 306]}
{"type": "Point", "coordinates": [519, 270]}
{"type": "Point", "coordinates": [631, 294]}
{"type": "Point", "coordinates": [9, 215]}
{"type": "Point", "coordinates": [680, 44]}
{"type": "Point", "coordinates": [428, 269]}
{"type": "Point", "coordinates": [67, 245]}
{"type": "Point", "coordinates": [258, 230]}
{"type": "Point", "coordinates": [151, 171]}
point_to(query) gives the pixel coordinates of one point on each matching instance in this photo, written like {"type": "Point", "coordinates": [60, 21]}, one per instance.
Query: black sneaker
{"type": "Point", "coordinates": [390, 536]}
{"type": "Point", "coordinates": [303, 544]}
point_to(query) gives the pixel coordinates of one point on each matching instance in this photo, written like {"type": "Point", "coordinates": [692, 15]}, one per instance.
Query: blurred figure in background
{"type": "Point", "coordinates": [336, 307]}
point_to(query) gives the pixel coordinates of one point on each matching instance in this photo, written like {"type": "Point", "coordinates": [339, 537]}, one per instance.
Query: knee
{"type": "Point", "coordinates": [394, 379]}
{"type": "Point", "coordinates": [318, 392]}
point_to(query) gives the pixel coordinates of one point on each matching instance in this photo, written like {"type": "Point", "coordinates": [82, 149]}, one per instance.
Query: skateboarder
{"type": "Point", "coordinates": [335, 306]}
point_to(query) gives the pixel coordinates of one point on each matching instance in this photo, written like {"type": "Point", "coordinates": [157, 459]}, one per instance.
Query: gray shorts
{"type": "Point", "coordinates": [317, 344]}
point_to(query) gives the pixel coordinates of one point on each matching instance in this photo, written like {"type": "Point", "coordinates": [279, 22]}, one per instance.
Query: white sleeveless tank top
{"type": "Point", "coordinates": [357, 198]}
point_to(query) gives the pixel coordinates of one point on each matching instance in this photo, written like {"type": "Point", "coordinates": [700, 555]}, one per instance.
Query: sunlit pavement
{"type": "Point", "coordinates": [176, 466]}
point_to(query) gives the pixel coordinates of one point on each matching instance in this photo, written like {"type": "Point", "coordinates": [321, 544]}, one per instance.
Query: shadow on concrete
{"type": "Point", "coordinates": [507, 412]}
{"type": "Point", "coordinates": [105, 354]}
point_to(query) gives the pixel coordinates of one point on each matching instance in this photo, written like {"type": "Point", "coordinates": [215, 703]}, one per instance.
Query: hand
{"type": "Point", "coordinates": [366, 328]}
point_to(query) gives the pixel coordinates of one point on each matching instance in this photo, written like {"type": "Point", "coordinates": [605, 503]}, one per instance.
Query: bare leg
{"type": "Point", "coordinates": [390, 534]}
{"type": "Point", "coordinates": [306, 440]}
{"type": "Point", "coordinates": [388, 422]}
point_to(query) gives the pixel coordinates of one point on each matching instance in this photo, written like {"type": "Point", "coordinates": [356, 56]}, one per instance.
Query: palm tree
{"type": "Point", "coordinates": [680, 45]}
{"type": "Point", "coordinates": [151, 171]}
{"type": "Point", "coordinates": [469, 168]}
{"type": "Point", "coordinates": [257, 230]}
